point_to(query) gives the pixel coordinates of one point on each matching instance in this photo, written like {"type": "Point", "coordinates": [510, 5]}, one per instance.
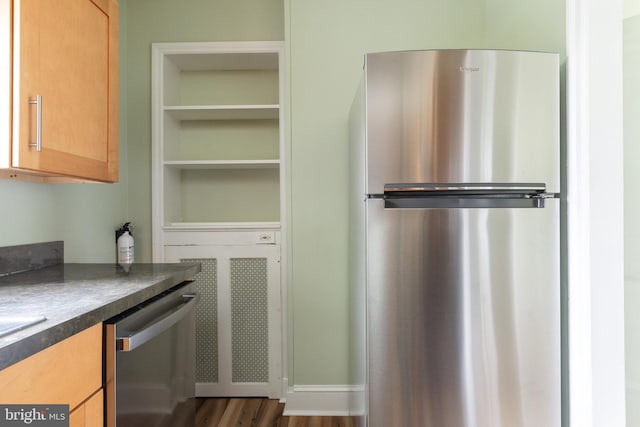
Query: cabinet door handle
{"type": "Point", "coordinates": [38, 103]}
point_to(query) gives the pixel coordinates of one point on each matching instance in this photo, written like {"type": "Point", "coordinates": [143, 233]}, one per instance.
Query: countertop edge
{"type": "Point", "coordinates": [32, 344]}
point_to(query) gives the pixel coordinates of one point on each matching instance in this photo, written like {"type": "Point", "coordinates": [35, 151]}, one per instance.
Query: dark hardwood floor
{"type": "Point", "coordinates": [257, 412]}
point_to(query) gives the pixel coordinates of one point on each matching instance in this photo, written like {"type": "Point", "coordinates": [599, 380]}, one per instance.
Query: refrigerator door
{"type": "Point", "coordinates": [480, 116]}
{"type": "Point", "coordinates": [463, 311]}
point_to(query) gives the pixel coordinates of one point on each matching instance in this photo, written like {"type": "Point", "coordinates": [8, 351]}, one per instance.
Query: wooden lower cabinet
{"type": "Point", "coordinates": [90, 413]}
{"type": "Point", "coordinates": [69, 372]}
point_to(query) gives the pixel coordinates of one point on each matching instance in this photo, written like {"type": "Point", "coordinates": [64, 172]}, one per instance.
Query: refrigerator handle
{"type": "Point", "coordinates": [521, 188]}
{"type": "Point", "coordinates": [465, 195]}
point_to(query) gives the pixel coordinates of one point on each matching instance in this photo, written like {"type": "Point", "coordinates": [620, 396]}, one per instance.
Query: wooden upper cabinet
{"type": "Point", "coordinates": [64, 81]}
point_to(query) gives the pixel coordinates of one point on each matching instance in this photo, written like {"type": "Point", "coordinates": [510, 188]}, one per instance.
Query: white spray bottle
{"type": "Point", "coordinates": [124, 240]}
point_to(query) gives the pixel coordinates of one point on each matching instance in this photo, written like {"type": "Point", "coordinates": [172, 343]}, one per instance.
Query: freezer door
{"type": "Point", "coordinates": [462, 116]}
{"type": "Point", "coordinates": [463, 317]}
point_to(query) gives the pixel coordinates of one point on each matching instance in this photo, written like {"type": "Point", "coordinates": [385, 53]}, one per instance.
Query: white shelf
{"type": "Point", "coordinates": [227, 226]}
{"type": "Point", "coordinates": [223, 112]}
{"type": "Point", "coordinates": [250, 59]}
{"type": "Point", "coordinates": [222, 164]}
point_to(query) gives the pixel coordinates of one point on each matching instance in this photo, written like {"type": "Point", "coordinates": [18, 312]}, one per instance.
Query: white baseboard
{"type": "Point", "coordinates": [284, 386]}
{"type": "Point", "coordinates": [324, 400]}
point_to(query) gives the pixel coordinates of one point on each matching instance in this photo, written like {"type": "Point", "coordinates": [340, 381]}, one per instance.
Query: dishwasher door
{"type": "Point", "coordinates": [150, 362]}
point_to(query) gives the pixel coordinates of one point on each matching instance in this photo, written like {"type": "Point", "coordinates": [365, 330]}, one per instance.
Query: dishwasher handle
{"type": "Point", "coordinates": [131, 341]}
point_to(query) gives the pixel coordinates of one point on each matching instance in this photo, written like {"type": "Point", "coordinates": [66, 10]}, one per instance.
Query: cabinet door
{"type": "Point", "coordinates": [90, 413]}
{"type": "Point", "coordinates": [68, 372]}
{"type": "Point", "coordinates": [66, 52]}
{"type": "Point", "coordinates": [238, 323]}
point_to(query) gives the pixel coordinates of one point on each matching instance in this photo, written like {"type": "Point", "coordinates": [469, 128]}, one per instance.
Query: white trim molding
{"type": "Point", "coordinates": [595, 233]}
{"type": "Point", "coordinates": [579, 286]}
{"type": "Point", "coordinates": [323, 400]}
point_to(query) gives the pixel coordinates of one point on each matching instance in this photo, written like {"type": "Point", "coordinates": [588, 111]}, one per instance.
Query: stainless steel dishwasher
{"type": "Point", "coordinates": [150, 362]}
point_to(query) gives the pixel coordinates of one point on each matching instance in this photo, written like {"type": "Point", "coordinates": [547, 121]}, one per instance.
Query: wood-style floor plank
{"type": "Point", "coordinates": [257, 412]}
{"type": "Point", "coordinates": [270, 414]}
{"type": "Point", "coordinates": [210, 411]}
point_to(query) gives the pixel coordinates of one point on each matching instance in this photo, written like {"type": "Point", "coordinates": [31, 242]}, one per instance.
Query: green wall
{"type": "Point", "coordinates": [631, 81]}
{"type": "Point", "coordinates": [83, 215]}
{"type": "Point", "coordinates": [326, 42]}
{"type": "Point", "coordinates": [631, 8]}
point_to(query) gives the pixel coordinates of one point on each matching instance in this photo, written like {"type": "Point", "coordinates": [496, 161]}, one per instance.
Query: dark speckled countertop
{"type": "Point", "coordinates": [74, 297]}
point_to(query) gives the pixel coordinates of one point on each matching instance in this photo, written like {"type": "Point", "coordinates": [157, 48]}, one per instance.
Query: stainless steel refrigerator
{"type": "Point", "coordinates": [455, 249]}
